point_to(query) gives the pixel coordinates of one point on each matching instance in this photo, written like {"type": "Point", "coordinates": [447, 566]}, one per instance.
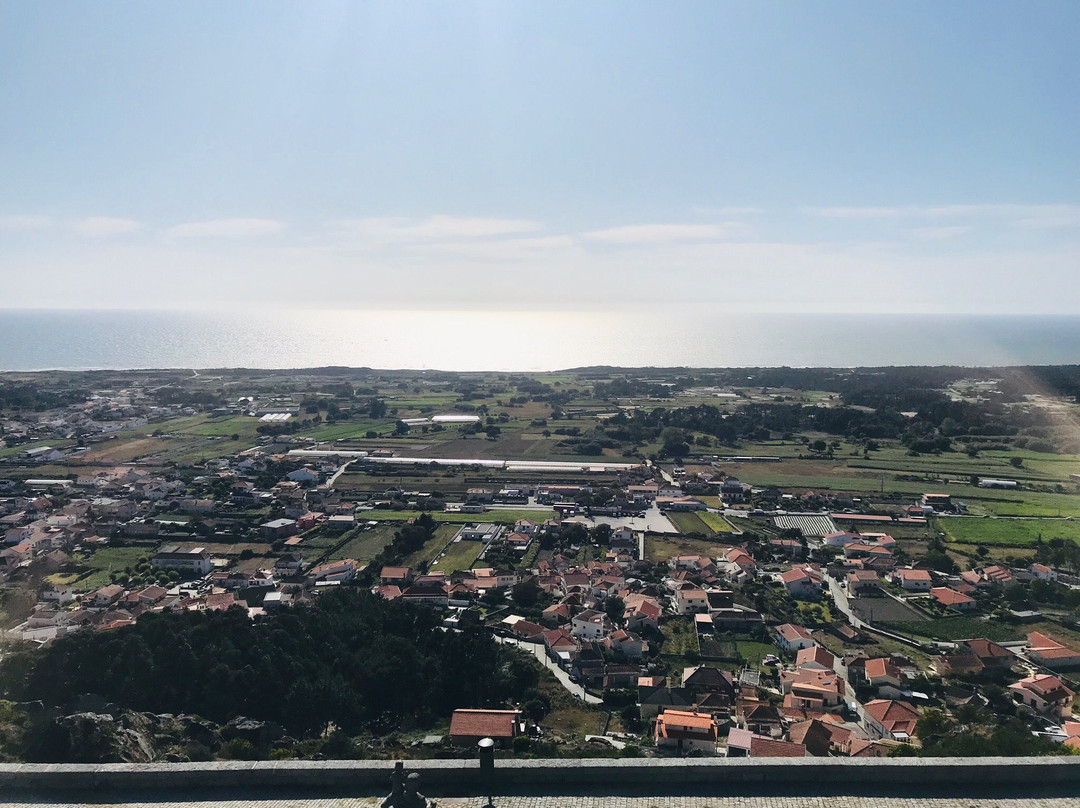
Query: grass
{"type": "Point", "coordinates": [700, 522]}
{"type": "Point", "coordinates": [689, 523]}
{"type": "Point", "coordinates": [753, 652]}
{"type": "Point", "coordinates": [1007, 532]}
{"type": "Point", "coordinates": [502, 517]}
{"type": "Point", "coordinates": [680, 637]}
{"type": "Point", "coordinates": [459, 556]}
{"type": "Point", "coordinates": [958, 628]}
{"type": "Point", "coordinates": [366, 544]}
{"type": "Point", "coordinates": [659, 549]}
{"type": "Point", "coordinates": [716, 522]}
{"type": "Point", "coordinates": [106, 561]}
{"type": "Point", "coordinates": [443, 534]}
{"type": "Point", "coordinates": [569, 717]}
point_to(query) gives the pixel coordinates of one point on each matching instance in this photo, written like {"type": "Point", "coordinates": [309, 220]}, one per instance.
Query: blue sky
{"type": "Point", "coordinates": [776, 156]}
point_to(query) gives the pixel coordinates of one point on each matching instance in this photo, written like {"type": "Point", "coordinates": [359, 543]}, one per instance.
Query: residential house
{"type": "Point", "coordinates": [1043, 572]}
{"type": "Point", "coordinates": [194, 561]}
{"type": "Point", "coordinates": [989, 653]}
{"type": "Point", "coordinates": [690, 599]}
{"type": "Point", "coordinates": [1045, 694]}
{"type": "Point", "coordinates": [743, 743]}
{"type": "Point", "coordinates": [883, 671]}
{"type": "Point", "coordinates": [912, 580]}
{"type": "Point", "coordinates": [642, 611]}
{"type": "Point", "coordinates": [706, 679]}
{"type": "Point", "coordinates": [395, 576]}
{"type": "Point", "coordinates": [894, 719]}
{"type": "Point", "coordinates": [684, 731]}
{"type": "Point", "coordinates": [468, 727]}
{"type": "Point", "coordinates": [952, 599]}
{"type": "Point", "coordinates": [626, 643]}
{"type": "Point", "coordinates": [812, 690]}
{"type": "Point", "coordinates": [863, 583]}
{"type": "Point", "coordinates": [340, 571]}
{"type": "Point", "coordinates": [792, 638]}
{"type": "Point", "coordinates": [591, 625]}
{"type": "Point", "coordinates": [1051, 653]}
{"type": "Point", "coordinates": [802, 582]}
{"type": "Point", "coordinates": [815, 657]}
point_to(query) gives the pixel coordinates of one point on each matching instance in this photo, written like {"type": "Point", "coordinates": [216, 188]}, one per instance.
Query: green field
{"type": "Point", "coordinates": [716, 522]}
{"type": "Point", "coordinates": [659, 549]}
{"type": "Point", "coordinates": [108, 560]}
{"type": "Point", "coordinates": [459, 556]}
{"type": "Point", "coordinates": [680, 637]}
{"type": "Point", "coordinates": [701, 522]}
{"type": "Point", "coordinates": [365, 544]}
{"type": "Point", "coordinates": [1007, 532]}
{"type": "Point", "coordinates": [502, 517]}
{"type": "Point", "coordinates": [958, 628]}
{"type": "Point", "coordinates": [443, 534]}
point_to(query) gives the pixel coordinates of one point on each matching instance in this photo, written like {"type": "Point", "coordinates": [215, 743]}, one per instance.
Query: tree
{"type": "Point", "coordinates": [1016, 462]}
{"type": "Point", "coordinates": [615, 607]}
{"type": "Point", "coordinates": [401, 428]}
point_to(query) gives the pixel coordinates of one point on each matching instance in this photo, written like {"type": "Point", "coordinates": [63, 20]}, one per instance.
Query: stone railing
{"type": "Point", "coordinates": [646, 775]}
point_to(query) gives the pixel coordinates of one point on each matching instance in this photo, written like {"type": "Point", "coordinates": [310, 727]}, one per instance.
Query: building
{"type": "Point", "coordinates": [893, 719]}
{"type": "Point", "coordinates": [684, 731]}
{"type": "Point", "coordinates": [1051, 653]}
{"type": "Point", "coordinates": [952, 599]}
{"type": "Point", "coordinates": [278, 528]}
{"type": "Point", "coordinates": [468, 727]}
{"type": "Point", "coordinates": [792, 638]}
{"type": "Point", "coordinates": [913, 580]}
{"type": "Point", "coordinates": [196, 561]}
{"type": "Point", "coordinates": [1044, 694]}
{"type": "Point", "coordinates": [485, 532]}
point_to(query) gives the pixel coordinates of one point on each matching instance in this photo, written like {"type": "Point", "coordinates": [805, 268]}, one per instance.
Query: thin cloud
{"type": "Point", "coordinates": [663, 233]}
{"type": "Point", "coordinates": [1024, 216]}
{"type": "Point", "coordinates": [225, 228]}
{"type": "Point", "coordinates": [105, 226]}
{"type": "Point", "coordinates": [434, 228]}
{"type": "Point", "coordinates": [940, 233]}
{"type": "Point", "coordinates": [24, 222]}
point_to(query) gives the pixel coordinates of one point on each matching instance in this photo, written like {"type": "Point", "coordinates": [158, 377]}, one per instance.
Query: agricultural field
{"type": "Point", "coordinates": [102, 563]}
{"type": "Point", "coordinates": [502, 516]}
{"type": "Point", "coordinates": [365, 544]}
{"type": "Point", "coordinates": [680, 637]}
{"type": "Point", "coordinates": [1007, 532]}
{"type": "Point", "coordinates": [660, 548]}
{"type": "Point", "coordinates": [460, 555]}
{"type": "Point", "coordinates": [442, 535]}
{"type": "Point", "coordinates": [958, 628]}
{"type": "Point", "coordinates": [689, 523]}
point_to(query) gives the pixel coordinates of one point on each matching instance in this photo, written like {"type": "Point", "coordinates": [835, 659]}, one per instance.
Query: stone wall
{"type": "Point", "coordinates": [649, 775]}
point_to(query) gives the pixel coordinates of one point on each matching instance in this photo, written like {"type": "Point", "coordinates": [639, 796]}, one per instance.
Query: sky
{"type": "Point", "coordinates": [751, 156]}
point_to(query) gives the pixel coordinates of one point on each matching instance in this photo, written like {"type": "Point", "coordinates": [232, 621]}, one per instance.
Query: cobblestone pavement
{"type": "Point", "coordinates": [789, 801]}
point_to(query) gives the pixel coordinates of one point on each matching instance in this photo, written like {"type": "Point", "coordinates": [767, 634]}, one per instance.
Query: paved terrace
{"type": "Point", "coordinates": [596, 801]}
{"type": "Point", "coordinates": [645, 783]}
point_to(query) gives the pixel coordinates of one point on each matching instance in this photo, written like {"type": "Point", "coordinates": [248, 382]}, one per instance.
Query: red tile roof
{"type": "Point", "coordinates": [484, 723]}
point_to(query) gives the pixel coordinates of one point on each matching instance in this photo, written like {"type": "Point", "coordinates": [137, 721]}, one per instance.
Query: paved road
{"type": "Point", "coordinates": [537, 650]}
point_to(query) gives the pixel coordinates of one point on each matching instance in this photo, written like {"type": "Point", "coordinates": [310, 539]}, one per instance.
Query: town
{"type": "Point", "coordinates": [705, 563]}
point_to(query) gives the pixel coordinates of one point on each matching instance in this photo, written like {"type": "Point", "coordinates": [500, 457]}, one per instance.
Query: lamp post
{"type": "Point", "coordinates": [486, 749]}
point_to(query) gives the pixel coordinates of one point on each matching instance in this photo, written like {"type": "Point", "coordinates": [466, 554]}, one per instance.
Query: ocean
{"type": "Point", "coordinates": [523, 340]}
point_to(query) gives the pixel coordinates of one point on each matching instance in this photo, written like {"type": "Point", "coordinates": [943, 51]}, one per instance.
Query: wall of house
{"type": "Point", "coordinates": [464, 776]}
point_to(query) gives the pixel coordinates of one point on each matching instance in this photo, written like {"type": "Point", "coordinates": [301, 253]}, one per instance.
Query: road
{"type": "Point", "coordinates": [537, 650]}
{"type": "Point", "coordinates": [338, 473]}
{"type": "Point", "coordinates": [839, 596]}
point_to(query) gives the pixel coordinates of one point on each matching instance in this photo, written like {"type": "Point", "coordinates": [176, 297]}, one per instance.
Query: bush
{"type": "Point", "coordinates": [238, 749]}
